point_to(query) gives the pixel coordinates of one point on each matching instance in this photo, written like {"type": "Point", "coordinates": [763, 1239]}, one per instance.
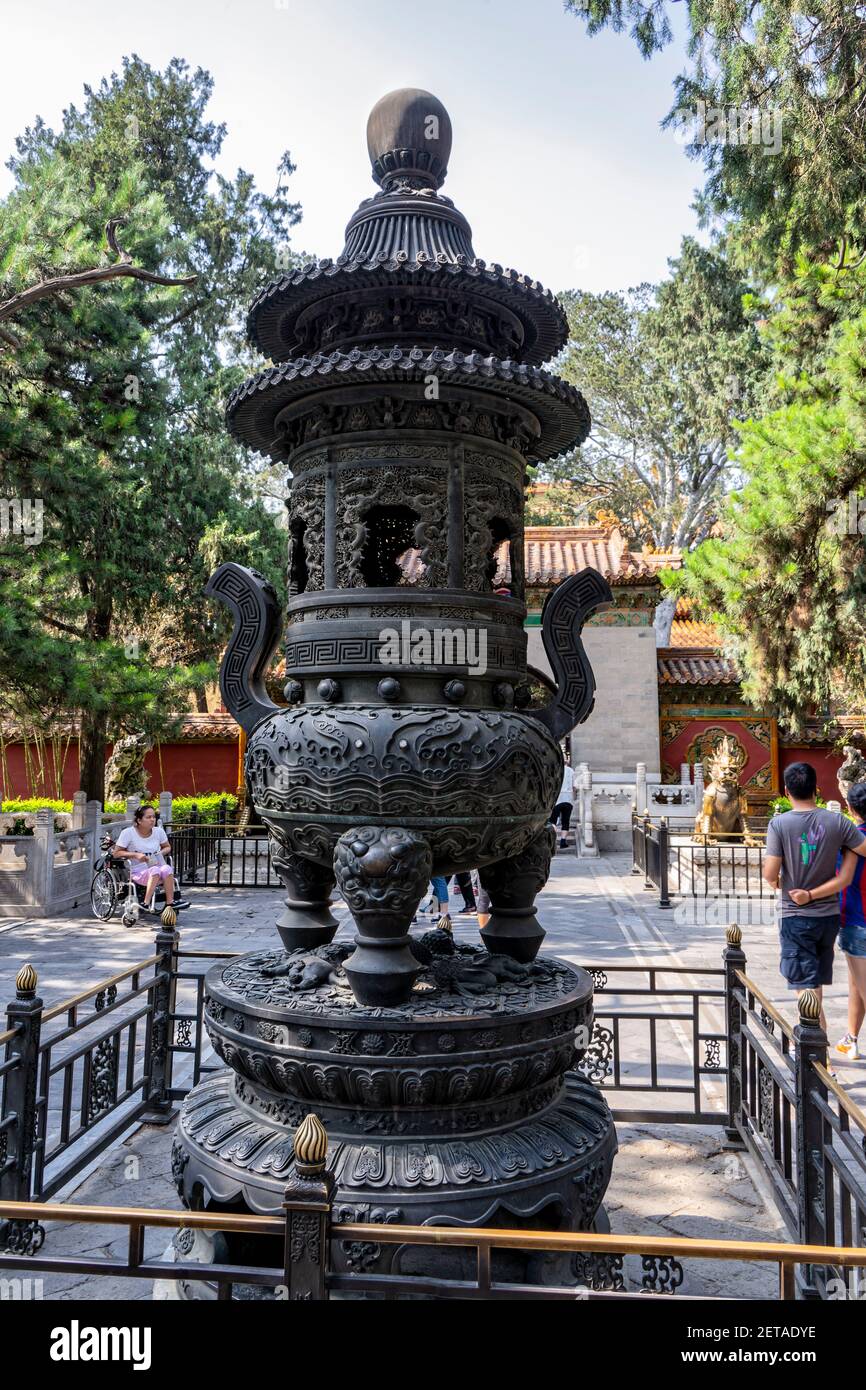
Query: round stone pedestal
{"type": "Point", "coordinates": [461, 1107]}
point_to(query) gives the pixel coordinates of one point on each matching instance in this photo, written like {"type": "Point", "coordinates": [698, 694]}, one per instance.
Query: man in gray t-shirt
{"type": "Point", "coordinates": [803, 845]}
{"type": "Point", "coordinates": [808, 844]}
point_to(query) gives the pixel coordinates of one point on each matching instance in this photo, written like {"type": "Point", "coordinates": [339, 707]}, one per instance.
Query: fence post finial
{"type": "Point", "coordinates": [310, 1144]}
{"type": "Point", "coordinates": [734, 960]}
{"type": "Point", "coordinates": [26, 981]}
{"type": "Point", "coordinates": [814, 1219]}
{"type": "Point", "coordinates": [307, 1203]}
{"type": "Point", "coordinates": [19, 1110]}
{"type": "Point", "coordinates": [159, 1038]}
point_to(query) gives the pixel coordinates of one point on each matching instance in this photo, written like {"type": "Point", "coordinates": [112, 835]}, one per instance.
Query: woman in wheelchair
{"type": "Point", "coordinates": [145, 844]}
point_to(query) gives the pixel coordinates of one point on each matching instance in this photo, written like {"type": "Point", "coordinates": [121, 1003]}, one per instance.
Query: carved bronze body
{"type": "Point", "coordinates": [407, 398]}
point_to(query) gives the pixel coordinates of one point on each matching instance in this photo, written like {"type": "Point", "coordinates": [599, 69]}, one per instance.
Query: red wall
{"type": "Point", "coordinates": [187, 769]}
{"type": "Point", "coordinates": [826, 765]}
{"type": "Point", "coordinates": [681, 747]}
{"type": "Point", "coordinates": [190, 768]}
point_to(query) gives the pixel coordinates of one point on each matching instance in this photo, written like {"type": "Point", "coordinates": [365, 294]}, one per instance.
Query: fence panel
{"type": "Point", "coordinates": [658, 1034]}
{"type": "Point", "coordinates": [669, 1046]}
{"type": "Point", "coordinates": [213, 855]}
{"type": "Point", "coordinates": [768, 1113]}
{"type": "Point", "coordinates": [718, 866]}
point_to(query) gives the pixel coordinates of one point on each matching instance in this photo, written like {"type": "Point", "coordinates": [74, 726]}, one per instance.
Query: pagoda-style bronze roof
{"type": "Point", "coordinates": [408, 243]}
{"type": "Point", "coordinates": [254, 406]}
{"type": "Point", "coordinates": [275, 322]}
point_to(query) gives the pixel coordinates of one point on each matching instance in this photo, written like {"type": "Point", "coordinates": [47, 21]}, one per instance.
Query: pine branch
{"type": "Point", "coordinates": [124, 267]}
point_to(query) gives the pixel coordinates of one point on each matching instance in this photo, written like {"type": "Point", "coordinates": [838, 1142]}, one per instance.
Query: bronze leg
{"type": "Point", "coordinates": [513, 884]}
{"type": "Point", "coordinates": [383, 874]}
{"type": "Point", "coordinates": [307, 920]}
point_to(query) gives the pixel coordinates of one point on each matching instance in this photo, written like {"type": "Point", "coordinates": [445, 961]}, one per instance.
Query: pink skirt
{"type": "Point", "coordinates": [142, 872]}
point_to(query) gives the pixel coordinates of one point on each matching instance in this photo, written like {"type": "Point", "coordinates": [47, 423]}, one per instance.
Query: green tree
{"type": "Point", "coordinates": [785, 578]}
{"type": "Point", "coordinates": [667, 370]}
{"type": "Point", "coordinates": [111, 405]}
{"type": "Point", "coordinates": [786, 166]}
{"type": "Point", "coordinates": [786, 581]}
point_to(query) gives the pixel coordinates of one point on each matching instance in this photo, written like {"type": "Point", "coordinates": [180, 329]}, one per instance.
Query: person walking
{"type": "Point", "coordinates": [564, 803]}
{"type": "Point", "coordinates": [464, 884]}
{"type": "Point", "coordinates": [483, 900]}
{"type": "Point", "coordinates": [439, 884]}
{"type": "Point", "coordinates": [802, 849]}
{"type": "Point", "coordinates": [852, 937]}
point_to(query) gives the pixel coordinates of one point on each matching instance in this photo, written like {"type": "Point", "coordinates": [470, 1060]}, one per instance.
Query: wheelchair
{"type": "Point", "coordinates": [110, 889]}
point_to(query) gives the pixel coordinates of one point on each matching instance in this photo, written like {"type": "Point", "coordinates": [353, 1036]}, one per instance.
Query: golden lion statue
{"type": "Point", "coordinates": [721, 812]}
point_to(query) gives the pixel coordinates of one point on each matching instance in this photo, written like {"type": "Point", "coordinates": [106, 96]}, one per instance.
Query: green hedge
{"type": "Point", "coordinates": [782, 803]}
{"type": "Point", "coordinates": [208, 807]}
{"type": "Point", "coordinates": [181, 807]}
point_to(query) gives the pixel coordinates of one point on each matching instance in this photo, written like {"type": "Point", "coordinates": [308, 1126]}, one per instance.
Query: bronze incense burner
{"type": "Point", "coordinates": [407, 397]}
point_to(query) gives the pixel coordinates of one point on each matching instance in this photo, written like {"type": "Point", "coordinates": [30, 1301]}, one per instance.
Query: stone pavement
{"type": "Point", "coordinates": [677, 1179]}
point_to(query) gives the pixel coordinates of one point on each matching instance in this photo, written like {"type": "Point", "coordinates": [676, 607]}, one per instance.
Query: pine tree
{"type": "Point", "coordinates": [111, 406]}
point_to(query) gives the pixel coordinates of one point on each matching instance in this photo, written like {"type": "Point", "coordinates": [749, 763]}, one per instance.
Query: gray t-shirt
{"type": "Point", "coordinates": [809, 842]}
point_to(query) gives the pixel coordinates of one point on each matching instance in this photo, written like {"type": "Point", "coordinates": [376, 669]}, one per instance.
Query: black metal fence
{"type": "Point", "coordinates": [668, 1046]}
{"type": "Point", "coordinates": [659, 1037]}
{"type": "Point", "coordinates": [216, 854]}
{"type": "Point", "coordinates": [723, 866]}
{"type": "Point", "coordinates": [76, 1076]}
{"type": "Point", "coordinates": [650, 842]}
{"type": "Point", "coordinates": [306, 1236]}
{"type": "Point", "coordinates": [806, 1132]}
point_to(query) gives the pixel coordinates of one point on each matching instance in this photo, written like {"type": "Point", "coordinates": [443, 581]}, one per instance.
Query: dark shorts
{"type": "Point", "coordinates": [562, 814]}
{"type": "Point", "coordinates": [807, 950]}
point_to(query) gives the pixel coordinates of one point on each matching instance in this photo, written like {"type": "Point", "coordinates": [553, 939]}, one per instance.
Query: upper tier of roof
{"type": "Point", "coordinates": [554, 552]}
{"type": "Point", "coordinates": [408, 273]}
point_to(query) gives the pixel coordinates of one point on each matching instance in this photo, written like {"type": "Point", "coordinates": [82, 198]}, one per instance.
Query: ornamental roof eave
{"type": "Point", "coordinates": [558, 406]}
{"type": "Point", "coordinates": [700, 668]}
{"type": "Point", "coordinates": [275, 310]}
{"type": "Point", "coordinates": [553, 553]}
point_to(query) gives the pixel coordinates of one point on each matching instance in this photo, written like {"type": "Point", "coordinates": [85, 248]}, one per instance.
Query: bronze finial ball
{"type": "Point", "coordinates": [409, 139]}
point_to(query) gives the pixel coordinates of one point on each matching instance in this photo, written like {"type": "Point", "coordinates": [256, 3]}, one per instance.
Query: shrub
{"type": "Point", "coordinates": [208, 804]}
{"type": "Point", "coordinates": [35, 803]}
{"type": "Point", "coordinates": [782, 803]}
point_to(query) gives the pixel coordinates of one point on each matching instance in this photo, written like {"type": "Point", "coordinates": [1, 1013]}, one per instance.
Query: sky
{"type": "Point", "coordinates": [559, 161]}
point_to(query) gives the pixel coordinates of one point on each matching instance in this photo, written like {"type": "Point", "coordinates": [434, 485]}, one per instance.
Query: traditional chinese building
{"type": "Point", "coordinates": [620, 643]}
{"type": "Point", "coordinates": [663, 705]}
